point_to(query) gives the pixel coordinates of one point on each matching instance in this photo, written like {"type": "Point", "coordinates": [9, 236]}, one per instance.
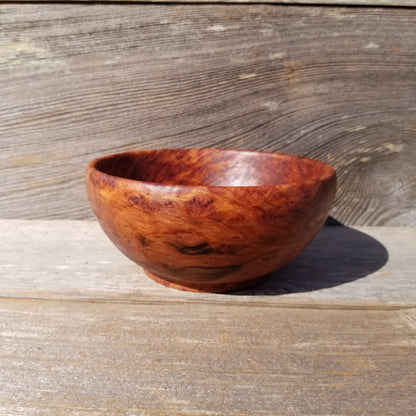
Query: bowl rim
{"type": "Point", "coordinates": [328, 171]}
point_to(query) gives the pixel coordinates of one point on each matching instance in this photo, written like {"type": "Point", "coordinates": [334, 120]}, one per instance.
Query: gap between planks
{"type": "Point", "coordinates": [187, 302]}
{"type": "Point", "coordinates": [336, 3]}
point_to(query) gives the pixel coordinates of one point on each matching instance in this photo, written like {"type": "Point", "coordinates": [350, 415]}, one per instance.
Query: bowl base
{"type": "Point", "coordinates": [209, 287]}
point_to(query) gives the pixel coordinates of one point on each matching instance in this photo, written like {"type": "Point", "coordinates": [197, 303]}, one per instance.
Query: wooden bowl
{"type": "Point", "coordinates": [210, 220]}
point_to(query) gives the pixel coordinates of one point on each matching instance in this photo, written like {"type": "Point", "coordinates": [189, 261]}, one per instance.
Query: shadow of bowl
{"type": "Point", "coordinates": [337, 255]}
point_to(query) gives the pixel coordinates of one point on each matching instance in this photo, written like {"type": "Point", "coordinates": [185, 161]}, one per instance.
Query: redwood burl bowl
{"type": "Point", "coordinates": [207, 219]}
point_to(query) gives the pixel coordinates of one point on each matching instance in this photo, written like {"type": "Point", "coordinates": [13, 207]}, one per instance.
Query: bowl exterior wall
{"type": "Point", "coordinates": [208, 237]}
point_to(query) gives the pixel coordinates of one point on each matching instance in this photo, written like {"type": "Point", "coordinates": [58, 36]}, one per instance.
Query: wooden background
{"type": "Point", "coordinates": [333, 83]}
{"type": "Point", "coordinates": [395, 3]}
{"type": "Point", "coordinates": [83, 331]}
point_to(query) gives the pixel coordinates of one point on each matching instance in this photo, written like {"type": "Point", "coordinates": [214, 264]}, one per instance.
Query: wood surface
{"type": "Point", "coordinates": [363, 267]}
{"type": "Point", "coordinates": [78, 358]}
{"type": "Point", "coordinates": [395, 3]}
{"type": "Point", "coordinates": [83, 80]}
{"type": "Point", "coordinates": [84, 332]}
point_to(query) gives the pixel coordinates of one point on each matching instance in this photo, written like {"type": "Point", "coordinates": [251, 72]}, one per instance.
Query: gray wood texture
{"type": "Point", "coordinates": [363, 267]}
{"type": "Point", "coordinates": [84, 358]}
{"type": "Point", "coordinates": [84, 332]}
{"type": "Point", "coordinates": [333, 83]}
{"type": "Point", "coordinates": [395, 3]}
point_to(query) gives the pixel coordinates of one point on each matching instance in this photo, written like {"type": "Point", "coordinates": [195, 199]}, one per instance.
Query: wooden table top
{"type": "Point", "coordinates": [84, 332]}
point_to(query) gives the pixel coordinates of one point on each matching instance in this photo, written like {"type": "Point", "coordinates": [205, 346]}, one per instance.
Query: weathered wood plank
{"type": "Point", "coordinates": [395, 3]}
{"type": "Point", "coordinates": [81, 358]}
{"type": "Point", "coordinates": [365, 267]}
{"type": "Point", "coordinates": [81, 80]}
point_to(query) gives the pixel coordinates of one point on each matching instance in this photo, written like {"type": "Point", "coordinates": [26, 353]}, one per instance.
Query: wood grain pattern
{"type": "Point", "coordinates": [210, 220]}
{"type": "Point", "coordinates": [74, 358]}
{"type": "Point", "coordinates": [84, 332]}
{"type": "Point", "coordinates": [83, 80]}
{"type": "Point", "coordinates": [395, 3]}
{"type": "Point", "coordinates": [364, 267]}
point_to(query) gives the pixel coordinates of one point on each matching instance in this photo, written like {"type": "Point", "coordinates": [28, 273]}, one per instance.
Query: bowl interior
{"type": "Point", "coordinates": [212, 167]}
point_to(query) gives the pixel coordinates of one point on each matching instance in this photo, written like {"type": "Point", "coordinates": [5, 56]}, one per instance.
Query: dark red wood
{"type": "Point", "coordinates": [207, 219]}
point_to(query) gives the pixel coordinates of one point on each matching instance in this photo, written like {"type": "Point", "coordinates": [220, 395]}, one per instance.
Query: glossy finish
{"type": "Point", "coordinates": [207, 219]}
